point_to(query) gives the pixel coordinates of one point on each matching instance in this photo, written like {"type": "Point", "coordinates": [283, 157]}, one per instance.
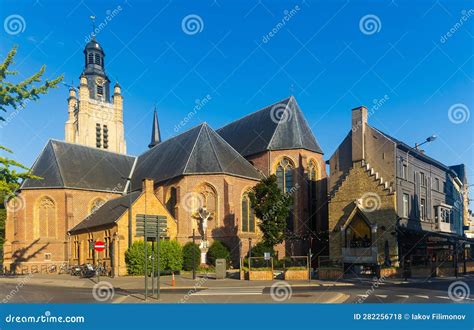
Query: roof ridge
{"type": "Point", "coordinates": [277, 126]}
{"type": "Point", "coordinates": [57, 163]}
{"type": "Point", "coordinates": [252, 113]}
{"type": "Point", "coordinates": [213, 149]}
{"type": "Point", "coordinates": [89, 147]}
{"type": "Point", "coordinates": [194, 146]}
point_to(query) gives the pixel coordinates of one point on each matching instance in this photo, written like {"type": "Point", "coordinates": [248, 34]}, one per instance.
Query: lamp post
{"type": "Point", "coordinates": [417, 145]}
{"type": "Point", "coordinates": [250, 250]}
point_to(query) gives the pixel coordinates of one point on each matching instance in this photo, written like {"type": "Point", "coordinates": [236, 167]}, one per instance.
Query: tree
{"type": "Point", "coordinates": [272, 207]}
{"type": "Point", "coordinates": [191, 256]}
{"type": "Point", "coordinates": [16, 96]}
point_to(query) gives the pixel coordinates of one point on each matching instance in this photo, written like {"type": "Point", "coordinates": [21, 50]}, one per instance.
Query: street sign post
{"type": "Point", "coordinates": [99, 246]}
{"type": "Point", "coordinates": [152, 227]}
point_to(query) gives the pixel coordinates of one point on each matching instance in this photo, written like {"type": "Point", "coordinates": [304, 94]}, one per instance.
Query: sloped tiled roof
{"type": "Point", "coordinates": [197, 151]}
{"type": "Point", "coordinates": [108, 213]}
{"type": "Point", "coordinates": [276, 127]}
{"type": "Point", "coordinates": [67, 165]}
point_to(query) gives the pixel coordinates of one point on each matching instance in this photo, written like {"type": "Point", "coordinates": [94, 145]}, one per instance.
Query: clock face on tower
{"type": "Point", "coordinates": [99, 81]}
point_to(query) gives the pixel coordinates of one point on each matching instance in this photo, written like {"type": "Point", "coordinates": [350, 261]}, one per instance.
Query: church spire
{"type": "Point", "coordinates": [155, 131]}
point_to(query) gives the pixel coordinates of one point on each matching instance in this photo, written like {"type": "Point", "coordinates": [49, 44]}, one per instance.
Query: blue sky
{"type": "Point", "coordinates": [321, 55]}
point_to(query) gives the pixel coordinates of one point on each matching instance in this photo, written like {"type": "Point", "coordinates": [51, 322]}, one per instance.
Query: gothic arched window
{"type": "Point", "coordinates": [45, 222]}
{"type": "Point", "coordinates": [284, 174]}
{"type": "Point", "coordinates": [248, 215]}
{"type": "Point", "coordinates": [312, 175]}
{"type": "Point", "coordinates": [209, 200]}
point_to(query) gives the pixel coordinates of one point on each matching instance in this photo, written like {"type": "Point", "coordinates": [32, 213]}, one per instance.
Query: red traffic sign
{"type": "Point", "coordinates": [99, 246]}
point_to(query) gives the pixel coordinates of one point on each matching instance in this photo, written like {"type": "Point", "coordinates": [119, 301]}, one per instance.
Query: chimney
{"type": "Point", "coordinates": [359, 125]}
{"type": "Point", "coordinates": [148, 186]}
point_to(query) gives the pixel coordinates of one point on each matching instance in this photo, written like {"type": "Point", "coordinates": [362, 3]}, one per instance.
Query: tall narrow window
{"type": "Point", "coordinates": [312, 196]}
{"type": "Point", "coordinates": [100, 90]}
{"type": "Point", "coordinates": [248, 215]}
{"type": "Point", "coordinates": [405, 206]}
{"type": "Point", "coordinates": [106, 137]}
{"type": "Point", "coordinates": [404, 171]}
{"type": "Point", "coordinates": [284, 174]}
{"type": "Point", "coordinates": [422, 179]}
{"type": "Point", "coordinates": [107, 242]}
{"type": "Point", "coordinates": [97, 59]}
{"type": "Point", "coordinates": [437, 184]}
{"type": "Point", "coordinates": [98, 136]}
{"type": "Point", "coordinates": [423, 209]}
{"type": "Point", "coordinates": [90, 58]}
{"type": "Point", "coordinates": [45, 222]}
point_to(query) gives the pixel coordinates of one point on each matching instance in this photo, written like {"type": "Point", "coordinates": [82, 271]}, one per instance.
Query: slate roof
{"type": "Point", "coordinates": [67, 165]}
{"type": "Point", "coordinates": [276, 127]}
{"type": "Point", "coordinates": [108, 213]}
{"type": "Point", "coordinates": [413, 152]}
{"type": "Point", "coordinates": [199, 150]}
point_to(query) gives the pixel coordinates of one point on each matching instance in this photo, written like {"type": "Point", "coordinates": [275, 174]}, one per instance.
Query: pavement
{"type": "Point", "coordinates": [40, 288]}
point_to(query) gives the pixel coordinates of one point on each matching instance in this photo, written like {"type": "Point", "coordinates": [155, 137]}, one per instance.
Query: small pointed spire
{"type": "Point", "coordinates": [155, 131]}
{"type": "Point", "coordinates": [93, 26]}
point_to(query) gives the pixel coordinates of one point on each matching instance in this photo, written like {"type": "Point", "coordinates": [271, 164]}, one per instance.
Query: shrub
{"type": "Point", "coordinates": [171, 254]}
{"type": "Point", "coordinates": [188, 250]}
{"type": "Point", "coordinates": [218, 250]}
{"type": "Point", "coordinates": [171, 257]}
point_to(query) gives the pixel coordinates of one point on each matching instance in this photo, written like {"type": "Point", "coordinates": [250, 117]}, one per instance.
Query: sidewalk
{"type": "Point", "coordinates": [137, 282]}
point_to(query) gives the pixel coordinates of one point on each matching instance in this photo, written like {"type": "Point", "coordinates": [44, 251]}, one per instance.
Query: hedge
{"type": "Point", "coordinates": [171, 257]}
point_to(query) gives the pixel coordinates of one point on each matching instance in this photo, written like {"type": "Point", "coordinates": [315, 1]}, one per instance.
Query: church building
{"type": "Point", "coordinates": [91, 190]}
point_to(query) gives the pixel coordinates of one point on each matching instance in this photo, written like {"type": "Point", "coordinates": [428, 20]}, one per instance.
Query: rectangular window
{"type": "Point", "coordinates": [404, 171]}
{"type": "Point", "coordinates": [437, 184]}
{"type": "Point", "coordinates": [423, 209]}
{"type": "Point", "coordinates": [405, 206]}
{"type": "Point", "coordinates": [98, 136]}
{"type": "Point", "coordinates": [100, 90]}
{"type": "Point", "coordinates": [106, 137]}
{"type": "Point", "coordinates": [422, 179]}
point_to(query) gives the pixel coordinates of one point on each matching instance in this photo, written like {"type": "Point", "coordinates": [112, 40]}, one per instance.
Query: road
{"type": "Point", "coordinates": [356, 291]}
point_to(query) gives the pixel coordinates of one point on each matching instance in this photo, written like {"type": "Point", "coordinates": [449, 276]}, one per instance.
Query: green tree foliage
{"type": "Point", "coordinates": [272, 207]}
{"type": "Point", "coordinates": [191, 253]}
{"type": "Point", "coordinates": [171, 257]}
{"type": "Point", "coordinates": [15, 96]}
{"type": "Point", "coordinates": [218, 250]}
{"type": "Point", "coordinates": [3, 216]}
{"type": "Point", "coordinates": [260, 248]}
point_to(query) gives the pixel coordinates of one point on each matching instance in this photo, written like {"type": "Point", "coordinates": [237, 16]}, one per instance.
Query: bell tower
{"type": "Point", "coordinates": [95, 118]}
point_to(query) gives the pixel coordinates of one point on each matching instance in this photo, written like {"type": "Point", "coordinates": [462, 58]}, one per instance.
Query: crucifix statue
{"type": "Point", "coordinates": [204, 216]}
